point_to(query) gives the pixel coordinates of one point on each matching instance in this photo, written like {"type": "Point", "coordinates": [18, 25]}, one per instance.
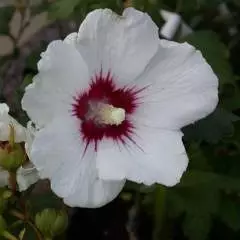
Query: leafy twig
{"type": "Point", "coordinates": [13, 181]}
{"type": "Point", "coordinates": [39, 235]}
{"type": "Point", "coordinates": [160, 210]}
{"type": "Point", "coordinates": [8, 236]}
{"type": "Point", "coordinates": [21, 216]}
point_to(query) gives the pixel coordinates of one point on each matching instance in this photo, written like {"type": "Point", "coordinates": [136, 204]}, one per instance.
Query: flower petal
{"type": "Point", "coordinates": [71, 38]}
{"type": "Point", "coordinates": [26, 176]}
{"type": "Point", "coordinates": [30, 134]}
{"type": "Point", "coordinates": [59, 154]}
{"type": "Point", "coordinates": [4, 175]}
{"type": "Point", "coordinates": [154, 156]}
{"type": "Point", "coordinates": [62, 74]}
{"type": "Point", "coordinates": [120, 44]}
{"type": "Point", "coordinates": [180, 87]}
{"type": "Point", "coordinates": [5, 121]}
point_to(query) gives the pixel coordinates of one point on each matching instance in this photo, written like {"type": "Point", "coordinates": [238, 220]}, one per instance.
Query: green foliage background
{"type": "Point", "coordinates": [206, 204]}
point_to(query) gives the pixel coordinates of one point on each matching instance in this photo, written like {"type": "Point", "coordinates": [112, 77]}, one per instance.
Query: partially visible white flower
{"type": "Point", "coordinates": [27, 174]}
{"type": "Point", "coordinates": [5, 121]}
{"type": "Point", "coordinates": [173, 23]}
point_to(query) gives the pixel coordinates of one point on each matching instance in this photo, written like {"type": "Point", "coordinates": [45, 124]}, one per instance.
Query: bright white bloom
{"type": "Point", "coordinates": [26, 175]}
{"type": "Point", "coordinates": [173, 24]}
{"type": "Point", "coordinates": [111, 100]}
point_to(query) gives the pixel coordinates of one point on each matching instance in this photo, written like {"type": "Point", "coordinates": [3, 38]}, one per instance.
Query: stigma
{"type": "Point", "coordinates": [110, 115]}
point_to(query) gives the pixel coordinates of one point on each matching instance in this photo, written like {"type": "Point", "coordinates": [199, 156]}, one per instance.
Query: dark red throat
{"type": "Point", "coordinates": [103, 89]}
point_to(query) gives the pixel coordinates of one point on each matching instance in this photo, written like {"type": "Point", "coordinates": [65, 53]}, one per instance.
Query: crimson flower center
{"type": "Point", "coordinates": [104, 110]}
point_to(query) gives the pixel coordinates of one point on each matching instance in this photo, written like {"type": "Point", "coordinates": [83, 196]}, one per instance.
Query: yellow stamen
{"type": "Point", "coordinates": [11, 135]}
{"type": "Point", "coordinates": [111, 115]}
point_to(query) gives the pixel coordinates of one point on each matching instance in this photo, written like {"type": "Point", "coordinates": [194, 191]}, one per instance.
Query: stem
{"type": "Point", "coordinates": [17, 214]}
{"type": "Point", "coordinates": [160, 204]}
{"type": "Point", "coordinates": [39, 235]}
{"type": "Point", "coordinates": [11, 135]}
{"type": "Point", "coordinates": [8, 236]}
{"type": "Point", "coordinates": [22, 217]}
{"type": "Point", "coordinates": [16, 224]}
{"type": "Point", "coordinates": [13, 181]}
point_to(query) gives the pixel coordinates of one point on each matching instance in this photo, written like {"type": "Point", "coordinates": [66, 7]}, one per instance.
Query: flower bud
{"type": "Point", "coordinates": [11, 157]}
{"type": "Point", "coordinates": [4, 196]}
{"type": "Point", "coordinates": [51, 222]}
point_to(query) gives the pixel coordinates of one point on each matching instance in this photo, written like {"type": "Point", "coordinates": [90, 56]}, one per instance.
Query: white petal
{"type": "Point", "coordinates": [157, 156]}
{"type": "Point", "coordinates": [26, 176]}
{"type": "Point", "coordinates": [4, 175]}
{"type": "Point", "coordinates": [71, 38]}
{"type": "Point", "coordinates": [58, 154]}
{"type": "Point", "coordinates": [30, 134]}
{"type": "Point", "coordinates": [180, 88]}
{"type": "Point", "coordinates": [5, 121]}
{"type": "Point", "coordinates": [120, 44]}
{"type": "Point", "coordinates": [62, 74]}
{"type": "Point", "coordinates": [173, 21]}
{"type": "Point", "coordinates": [4, 110]}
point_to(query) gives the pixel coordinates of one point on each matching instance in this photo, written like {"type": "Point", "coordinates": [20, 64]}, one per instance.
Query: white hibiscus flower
{"type": "Point", "coordinates": [111, 100]}
{"type": "Point", "coordinates": [27, 174]}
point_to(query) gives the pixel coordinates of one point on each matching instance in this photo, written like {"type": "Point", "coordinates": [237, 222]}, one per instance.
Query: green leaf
{"type": "Point", "coordinates": [32, 60]}
{"type": "Point", "coordinates": [215, 52]}
{"type": "Point", "coordinates": [198, 199]}
{"type": "Point", "coordinates": [41, 7]}
{"type": "Point", "coordinates": [213, 180]}
{"type": "Point", "coordinates": [197, 227]}
{"type": "Point", "coordinates": [29, 233]}
{"type": "Point", "coordinates": [195, 177]}
{"type": "Point", "coordinates": [197, 159]}
{"type": "Point", "coordinates": [230, 96]}
{"type": "Point", "coordinates": [159, 210]}
{"type": "Point", "coordinates": [26, 81]}
{"type": "Point", "coordinates": [62, 9]}
{"type": "Point", "coordinates": [212, 128]}
{"type": "Point", "coordinates": [199, 192]}
{"type": "Point", "coordinates": [229, 213]}
{"type": "Point", "coordinates": [6, 14]}
{"type": "Point", "coordinates": [237, 2]}
{"type": "Point", "coordinates": [39, 202]}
